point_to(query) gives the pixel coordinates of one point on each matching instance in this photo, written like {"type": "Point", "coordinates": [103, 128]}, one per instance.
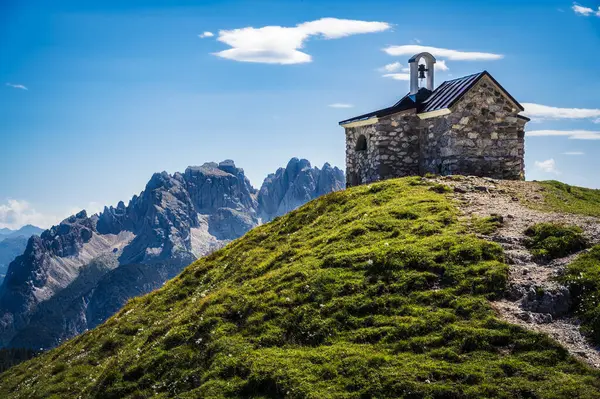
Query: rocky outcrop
{"type": "Point", "coordinates": [295, 185]}
{"type": "Point", "coordinates": [12, 244]}
{"type": "Point", "coordinates": [10, 248]}
{"type": "Point", "coordinates": [77, 274]}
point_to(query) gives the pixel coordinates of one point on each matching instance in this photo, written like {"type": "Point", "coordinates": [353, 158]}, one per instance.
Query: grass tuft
{"type": "Point", "coordinates": [548, 241]}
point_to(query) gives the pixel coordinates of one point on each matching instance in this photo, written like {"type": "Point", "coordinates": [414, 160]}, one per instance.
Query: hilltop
{"type": "Point", "coordinates": [394, 289]}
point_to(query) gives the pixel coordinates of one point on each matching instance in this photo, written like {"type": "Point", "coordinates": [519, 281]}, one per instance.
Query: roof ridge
{"type": "Point", "coordinates": [464, 77]}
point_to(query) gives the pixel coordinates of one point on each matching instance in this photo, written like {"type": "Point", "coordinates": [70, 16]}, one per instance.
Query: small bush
{"type": "Point", "coordinates": [548, 241]}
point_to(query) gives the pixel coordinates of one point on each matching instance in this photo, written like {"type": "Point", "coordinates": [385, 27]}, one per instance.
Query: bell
{"type": "Point", "coordinates": [422, 71]}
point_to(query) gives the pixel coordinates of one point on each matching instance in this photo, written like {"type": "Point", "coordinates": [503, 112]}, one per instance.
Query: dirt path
{"type": "Point", "coordinates": [534, 299]}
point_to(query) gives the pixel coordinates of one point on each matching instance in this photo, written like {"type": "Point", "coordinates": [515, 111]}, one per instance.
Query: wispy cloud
{"type": "Point", "coordinates": [573, 153]}
{"type": "Point", "coordinates": [16, 86]}
{"type": "Point", "coordinates": [340, 105]}
{"type": "Point", "coordinates": [548, 166]}
{"type": "Point", "coordinates": [393, 67]}
{"type": "Point", "coordinates": [572, 134]}
{"type": "Point", "coordinates": [17, 213]}
{"type": "Point", "coordinates": [539, 111]}
{"type": "Point", "coordinates": [585, 11]}
{"type": "Point", "coordinates": [280, 45]}
{"type": "Point", "coordinates": [206, 34]}
{"type": "Point", "coordinates": [453, 55]}
{"type": "Point", "coordinates": [397, 76]}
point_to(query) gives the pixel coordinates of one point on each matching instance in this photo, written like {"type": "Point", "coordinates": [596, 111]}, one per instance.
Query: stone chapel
{"type": "Point", "coordinates": [468, 126]}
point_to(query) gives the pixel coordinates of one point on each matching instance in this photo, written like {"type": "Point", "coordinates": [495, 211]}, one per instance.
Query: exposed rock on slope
{"type": "Point", "coordinates": [534, 298]}
{"type": "Point", "coordinates": [79, 273]}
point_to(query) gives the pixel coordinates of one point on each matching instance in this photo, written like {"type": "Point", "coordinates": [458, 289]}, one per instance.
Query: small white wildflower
{"type": "Point", "coordinates": [370, 262]}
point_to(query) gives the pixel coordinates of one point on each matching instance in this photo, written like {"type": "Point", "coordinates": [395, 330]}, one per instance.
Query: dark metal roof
{"type": "Point", "coordinates": [445, 96]}
{"type": "Point", "coordinates": [405, 103]}
{"type": "Point", "coordinates": [449, 92]}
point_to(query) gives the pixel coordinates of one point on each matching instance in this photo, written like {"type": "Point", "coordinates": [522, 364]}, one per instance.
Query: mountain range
{"type": "Point", "coordinates": [77, 274]}
{"type": "Point", "coordinates": [13, 243]}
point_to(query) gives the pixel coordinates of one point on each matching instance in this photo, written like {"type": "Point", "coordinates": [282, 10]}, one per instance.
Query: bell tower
{"type": "Point", "coordinates": [419, 72]}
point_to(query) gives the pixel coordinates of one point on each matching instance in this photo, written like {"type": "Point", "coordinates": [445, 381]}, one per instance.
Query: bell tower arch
{"type": "Point", "coordinates": [420, 72]}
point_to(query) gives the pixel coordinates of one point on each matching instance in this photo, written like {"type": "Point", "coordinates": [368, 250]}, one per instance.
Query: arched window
{"type": "Point", "coordinates": [361, 143]}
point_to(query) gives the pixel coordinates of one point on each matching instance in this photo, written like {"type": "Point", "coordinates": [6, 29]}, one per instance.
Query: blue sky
{"type": "Point", "coordinates": [96, 97]}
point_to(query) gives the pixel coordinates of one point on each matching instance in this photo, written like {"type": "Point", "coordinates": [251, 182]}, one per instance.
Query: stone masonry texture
{"type": "Point", "coordinates": [482, 136]}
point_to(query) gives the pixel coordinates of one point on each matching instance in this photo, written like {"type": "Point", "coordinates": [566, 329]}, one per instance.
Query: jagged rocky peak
{"type": "Point", "coordinates": [297, 183]}
{"type": "Point", "coordinates": [229, 187]}
{"type": "Point", "coordinates": [66, 238]}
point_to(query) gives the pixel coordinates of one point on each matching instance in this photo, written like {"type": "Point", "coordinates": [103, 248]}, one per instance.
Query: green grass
{"type": "Point", "coordinates": [374, 292]}
{"type": "Point", "coordinates": [547, 241]}
{"type": "Point", "coordinates": [561, 197]}
{"type": "Point", "coordinates": [582, 276]}
{"type": "Point", "coordinates": [486, 225]}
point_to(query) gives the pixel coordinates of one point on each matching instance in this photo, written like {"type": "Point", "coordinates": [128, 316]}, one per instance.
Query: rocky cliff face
{"type": "Point", "coordinates": [77, 274]}
{"type": "Point", "coordinates": [295, 185]}
{"type": "Point", "coordinates": [12, 244]}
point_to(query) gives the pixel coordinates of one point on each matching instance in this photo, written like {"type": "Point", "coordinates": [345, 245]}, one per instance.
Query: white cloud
{"type": "Point", "coordinates": [585, 11]}
{"type": "Point", "coordinates": [206, 34]}
{"type": "Point", "coordinates": [573, 153]}
{"type": "Point", "coordinates": [539, 111]}
{"type": "Point", "coordinates": [16, 86]}
{"type": "Point", "coordinates": [17, 213]}
{"type": "Point", "coordinates": [453, 55]}
{"type": "Point", "coordinates": [397, 76]}
{"type": "Point", "coordinates": [280, 45]}
{"type": "Point", "coordinates": [396, 66]}
{"type": "Point", "coordinates": [597, 120]}
{"type": "Point", "coordinates": [441, 65]}
{"type": "Point", "coordinates": [572, 134]}
{"type": "Point", "coordinates": [340, 105]}
{"type": "Point", "coordinates": [393, 67]}
{"type": "Point", "coordinates": [548, 166]}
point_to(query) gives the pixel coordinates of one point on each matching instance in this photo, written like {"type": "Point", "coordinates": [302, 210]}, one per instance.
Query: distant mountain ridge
{"type": "Point", "coordinates": [25, 231]}
{"type": "Point", "coordinates": [77, 274]}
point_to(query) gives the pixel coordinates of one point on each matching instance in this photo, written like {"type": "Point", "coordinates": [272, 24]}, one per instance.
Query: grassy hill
{"type": "Point", "coordinates": [376, 291]}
